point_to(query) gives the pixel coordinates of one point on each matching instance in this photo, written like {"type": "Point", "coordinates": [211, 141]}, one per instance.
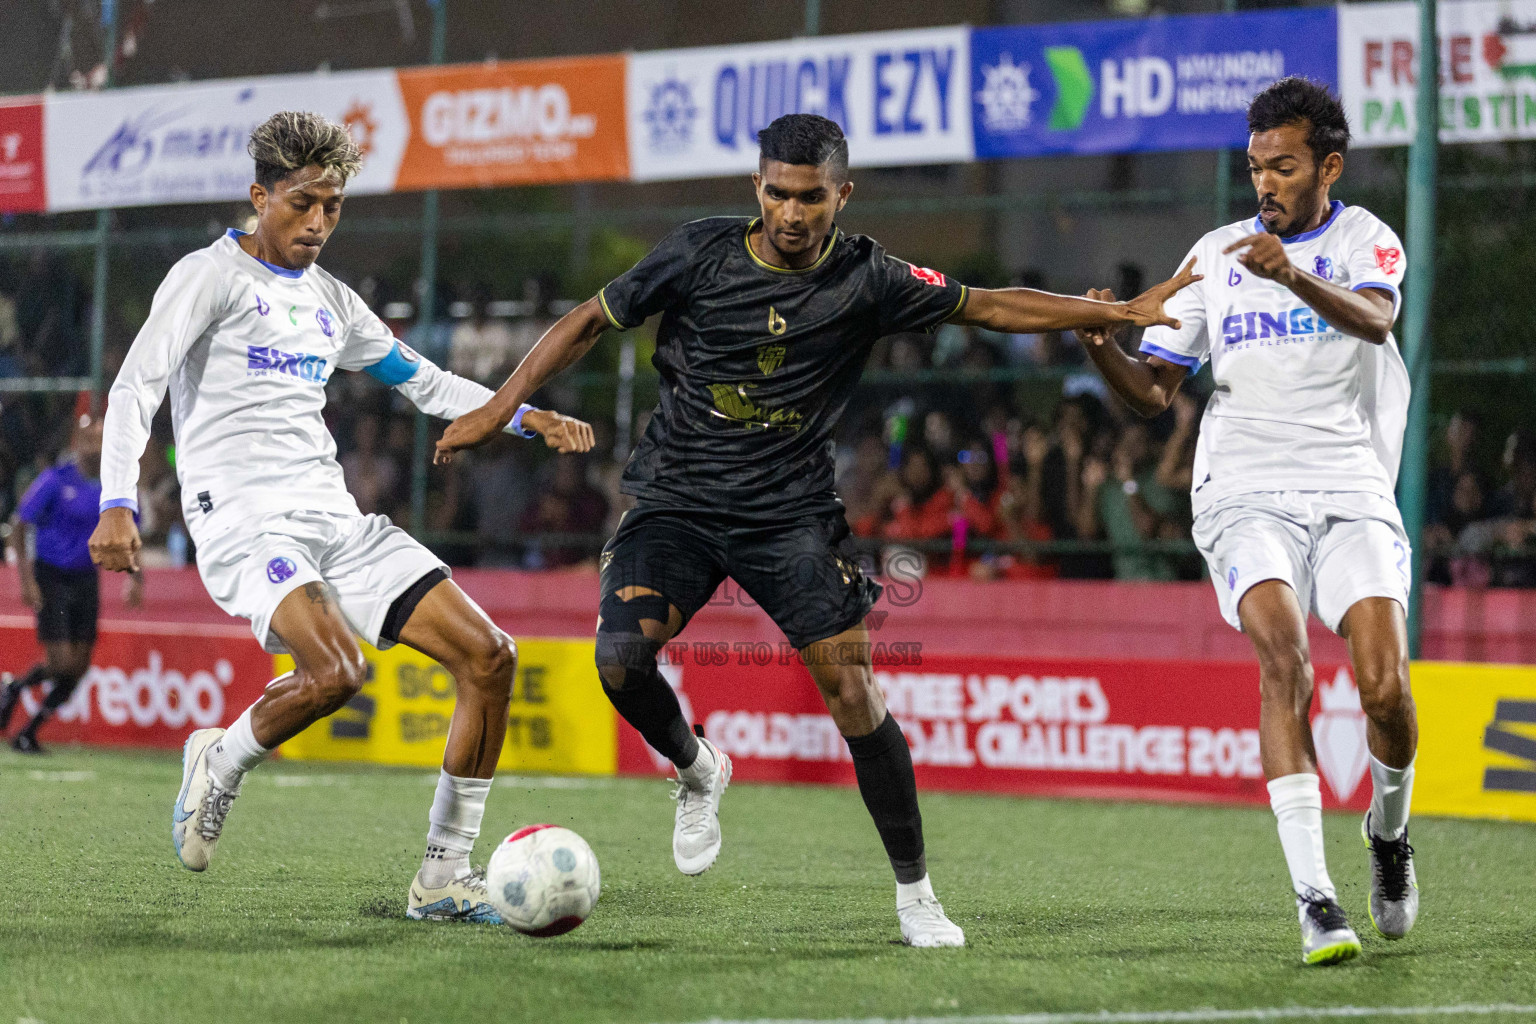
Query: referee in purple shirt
{"type": "Point", "coordinates": [58, 579]}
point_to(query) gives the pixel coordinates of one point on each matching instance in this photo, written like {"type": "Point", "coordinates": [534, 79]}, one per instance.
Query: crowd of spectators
{"type": "Point", "coordinates": [969, 453]}
{"type": "Point", "coordinates": [1481, 532]}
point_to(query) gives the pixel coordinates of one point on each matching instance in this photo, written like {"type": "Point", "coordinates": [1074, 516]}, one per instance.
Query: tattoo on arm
{"type": "Point", "coordinates": [320, 593]}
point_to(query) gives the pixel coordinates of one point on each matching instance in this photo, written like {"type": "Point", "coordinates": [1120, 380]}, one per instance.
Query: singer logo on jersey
{"type": "Point", "coordinates": [1299, 323]}
{"type": "Point", "coordinates": [262, 361]}
{"type": "Point", "coordinates": [1387, 258]}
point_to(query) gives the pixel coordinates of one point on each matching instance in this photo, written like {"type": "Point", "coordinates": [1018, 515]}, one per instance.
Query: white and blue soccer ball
{"type": "Point", "coordinates": [543, 880]}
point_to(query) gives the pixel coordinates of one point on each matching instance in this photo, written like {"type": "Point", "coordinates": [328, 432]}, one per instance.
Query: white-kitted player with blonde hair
{"type": "Point", "coordinates": [245, 333]}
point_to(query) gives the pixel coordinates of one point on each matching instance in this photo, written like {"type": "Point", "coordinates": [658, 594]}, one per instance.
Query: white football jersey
{"type": "Point", "coordinates": [246, 348]}
{"type": "Point", "coordinates": [1299, 405]}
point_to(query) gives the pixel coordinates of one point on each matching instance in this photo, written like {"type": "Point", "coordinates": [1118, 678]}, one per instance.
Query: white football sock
{"type": "Point", "coordinates": [236, 753]}
{"type": "Point", "coordinates": [457, 809]}
{"type": "Point", "coordinates": [1392, 791]}
{"type": "Point", "coordinates": [1297, 801]}
{"type": "Point", "coordinates": [910, 892]}
{"type": "Point", "coordinates": [702, 765]}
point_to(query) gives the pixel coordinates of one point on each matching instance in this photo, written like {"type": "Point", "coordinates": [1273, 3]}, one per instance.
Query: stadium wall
{"type": "Point", "coordinates": [1088, 689]}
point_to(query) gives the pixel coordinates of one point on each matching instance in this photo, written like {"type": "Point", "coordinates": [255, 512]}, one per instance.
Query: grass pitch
{"type": "Point", "coordinates": [1068, 906]}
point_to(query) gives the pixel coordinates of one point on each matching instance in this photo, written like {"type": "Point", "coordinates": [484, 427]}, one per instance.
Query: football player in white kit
{"type": "Point", "coordinates": [245, 333]}
{"type": "Point", "coordinates": [1294, 476]}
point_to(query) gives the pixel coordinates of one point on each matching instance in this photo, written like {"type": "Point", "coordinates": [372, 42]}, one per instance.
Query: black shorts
{"type": "Point", "coordinates": [802, 572]}
{"type": "Point", "coordinates": [71, 600]}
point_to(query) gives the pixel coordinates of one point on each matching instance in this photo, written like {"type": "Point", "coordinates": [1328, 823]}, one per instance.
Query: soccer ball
{"type": "Point", "coordinates": [543, 880]}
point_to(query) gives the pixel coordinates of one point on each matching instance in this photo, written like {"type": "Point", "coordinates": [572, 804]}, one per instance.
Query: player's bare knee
{"type": "Point", "coordinates": [1285, 672]}
{"type": "Point", "coordinates": [333, 683]}
{"type": "Point", "coordinates": [492, 664]}
{"type": "Point", "coordinates": [1384, 693]}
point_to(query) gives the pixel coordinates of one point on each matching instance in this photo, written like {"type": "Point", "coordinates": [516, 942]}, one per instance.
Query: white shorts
{"type": "Point", "coordinates": [1332, 548]}
{"type": "Point", "coordinates": [369, 561]}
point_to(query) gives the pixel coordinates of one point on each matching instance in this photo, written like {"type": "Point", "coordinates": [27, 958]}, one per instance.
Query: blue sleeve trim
{"type": "Point", "coordinates": [1396, 295]}
{"type": "Point", "coordinates": [396, 368]}
{"type": "Point", "coordinates": [517, 421]}
{"type": "Point", "coordinates": [127, 503]}
{"type": "Point", "coordinates": [1173, 357]}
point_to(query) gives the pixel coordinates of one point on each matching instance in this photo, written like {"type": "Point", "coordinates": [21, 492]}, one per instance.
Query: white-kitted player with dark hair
{"type": "Point", "coordinates": [1294, 476]}
{"type": "Point", "coordinates": [245, 333]}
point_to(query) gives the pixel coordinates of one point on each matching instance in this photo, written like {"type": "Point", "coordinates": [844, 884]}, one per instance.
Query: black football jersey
{"type": "Point", "coordinates": [758, 362]}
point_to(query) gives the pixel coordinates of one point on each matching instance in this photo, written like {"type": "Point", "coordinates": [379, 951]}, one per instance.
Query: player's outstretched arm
{"type": "Point", "coordinates": [1027, 311]}
{"type": "Point", "coordinates": [572, 337]}
{"type": "Point", "coordinates": [1366, 314]}
{"type": "Point", "coordinates": [442, 393]}
{"type": "Point", "coordinates": [1147, 387]}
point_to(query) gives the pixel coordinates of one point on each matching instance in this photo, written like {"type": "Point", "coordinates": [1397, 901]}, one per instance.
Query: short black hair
{"type": "Point", "coordinates": [808, 139]}
{"type": "Point", "coordinates": [1293, 100]}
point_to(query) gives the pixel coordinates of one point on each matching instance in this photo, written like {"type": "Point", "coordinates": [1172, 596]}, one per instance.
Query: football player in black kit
{"type": "Point", "coordinates": [766, 325]}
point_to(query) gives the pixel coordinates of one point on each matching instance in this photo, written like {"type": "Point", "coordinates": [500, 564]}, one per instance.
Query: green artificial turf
{"type": "Point", "coordinates": [1068, 905]}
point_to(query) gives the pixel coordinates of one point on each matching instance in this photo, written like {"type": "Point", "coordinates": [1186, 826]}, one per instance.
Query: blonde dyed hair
{"type": "Point", "coordinates": [294, 139]}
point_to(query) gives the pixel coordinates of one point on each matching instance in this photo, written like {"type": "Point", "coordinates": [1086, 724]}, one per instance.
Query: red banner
{"type": "Point", "coordinates": [1178, 730]}
{"type": "Point", "coordinates": [150, 687]}
{"type": "Point", "coordinates": [21, 156]}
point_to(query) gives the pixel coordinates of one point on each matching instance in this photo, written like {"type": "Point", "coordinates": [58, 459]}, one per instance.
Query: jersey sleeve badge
{"type": "Point", "coordinates": [1387, 258]}
{"type": "Point", "coordinates": [933, 277]}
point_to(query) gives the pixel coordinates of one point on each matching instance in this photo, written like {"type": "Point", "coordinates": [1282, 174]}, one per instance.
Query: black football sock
{"type": "Point", "coordinates": [650, 705]}
{"type": "Point", "coordinates": [883, 763]}
{"type": "Point", "coordinates": [63, 688]}
{"type": "Point", "coordinates": [59, 693]}
{"type": "Point", "coordinates": [12, 695]}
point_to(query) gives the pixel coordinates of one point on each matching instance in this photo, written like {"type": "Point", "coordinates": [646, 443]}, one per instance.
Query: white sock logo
{"type": "Point", "coordinates": [1339, 733]}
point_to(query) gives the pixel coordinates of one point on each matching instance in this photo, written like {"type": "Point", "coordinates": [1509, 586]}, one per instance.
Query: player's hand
{"type": "Point", "coordinates": [471, 430]}
{"type": "Point", "coordinates": [1097, 335]}
{"type": "Point", "coordinates": [115, 541]}
{"type": "Point", "coordinates": [1265, 257]}
{"type": "Point", "coordinates": [1146, 309]}
{"type": "Point", "coordinates": [31, 594]}
{"type": "Point", "coordinates": [133, 590]}
{"type": "Point", "coordinates": [565, 434]}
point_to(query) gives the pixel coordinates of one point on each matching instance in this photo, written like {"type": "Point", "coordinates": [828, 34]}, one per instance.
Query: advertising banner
{"type": "Point", "coordinates": [150, 683]}
{"type": "Point", "coordinates": [1182, 730]}
{"type": "Point", "coordinates": [21, 156]}
{"type": "Point", "coordinates": [1137, 85]}
{"type": "Point", "coordinates": [1487, 70]}
{"type": "Point", "coordinates": [187, 143]}
{"type": "Point", "coordinates": [900, 97]}
{"type": "Point", "coordinates": [559, 722]}
{"type": "Point", "coordinates": [1477, 741]}
{"type": "Point", "coordinates": [513, 124]}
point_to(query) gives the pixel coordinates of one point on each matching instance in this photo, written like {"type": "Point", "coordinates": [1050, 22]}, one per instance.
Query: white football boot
{"type": "Point", "coordinates": [1326, 937]}
{"type": "Point", "coordinates": [462, 899]}
{"type": "Point", "coordinates": [924, 923]}
{"type": "Point", "coordinates": [1394, 886]}
{"type": "Point", "coordinates": [696, 831]}
{"type": "Point", "coordinates": [197, 819]}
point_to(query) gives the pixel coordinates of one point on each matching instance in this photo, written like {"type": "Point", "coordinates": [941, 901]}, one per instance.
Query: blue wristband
{"type": "Point", "coordinates": [517, 421]}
